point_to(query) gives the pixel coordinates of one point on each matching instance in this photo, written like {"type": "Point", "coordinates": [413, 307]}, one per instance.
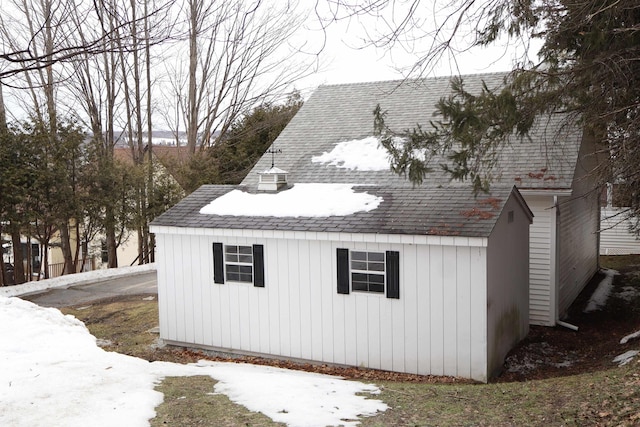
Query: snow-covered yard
{"type": "Point", "coordinates": [54, 374]}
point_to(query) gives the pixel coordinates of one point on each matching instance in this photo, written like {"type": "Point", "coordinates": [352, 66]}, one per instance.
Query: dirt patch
{"type": "Point", "coordinates": [553, 352]}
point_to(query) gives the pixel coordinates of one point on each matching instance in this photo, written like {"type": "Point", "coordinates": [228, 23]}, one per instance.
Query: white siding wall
{"type": "Point", "coordinates": [438, 326]}
{"type": "Point", "coordinates": [615, 237]}
{"type": "Point", "coordinates": [542, 260]}
{"type": "Point", "coordinates": [508, 284]}
{"type": "Point", "coordinates": [578, 247]}
{"type": "Point", "coordinates": [579, 225]}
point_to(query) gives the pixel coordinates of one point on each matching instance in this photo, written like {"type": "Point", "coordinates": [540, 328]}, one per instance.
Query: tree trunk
{"type": "Point", "coordinates": [45, 259]}
{"type": "Point", "coordinates": [192, 106]}
{"type": "Point", "coordinates": [18, 256]}
{"type": "Point", "coordinates": [65, 245]}
{"type": "Point", "coordinates": [111, 244]}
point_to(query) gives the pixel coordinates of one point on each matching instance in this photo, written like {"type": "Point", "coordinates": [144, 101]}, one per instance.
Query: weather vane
{"type": "Point", "coordinates": [273, 151]}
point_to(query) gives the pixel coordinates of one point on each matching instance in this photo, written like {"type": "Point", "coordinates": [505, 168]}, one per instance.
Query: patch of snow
{"type": "Point", "coordinates": [599, 297]}
{"type": "Point", "coordinates": [359, 154]}
{"type": "Point", "coordinates": [74, 279]}
{"type": "Point", "coordinates": [537, 355]}
{"type": "Point", "coordinates": [53, 373]}
{"type": "Point", "coordinates": [295, 397]}
{"type": "Point", "coordinates": [303, 200]}
{"type": "Point", "coordinates": [630, 337]}
{"type": "Point", "coordinates": [628, 293]}
{"type": "Point", "coordinates": [625, 358]}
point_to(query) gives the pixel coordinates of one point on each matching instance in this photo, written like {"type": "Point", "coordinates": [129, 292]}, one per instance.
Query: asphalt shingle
{"type": "Point", "coordinates": [422, 211]}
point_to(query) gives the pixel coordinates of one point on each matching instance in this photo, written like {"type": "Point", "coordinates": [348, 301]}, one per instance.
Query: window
{"type": "Point", "coordinates": [367, 271]}
{"type": "Point", "coordinates": [375, 272]}
{"type": "Point", "coordinates": [104, 252]}
{"type": "Point", "coordinates": [238, 263]}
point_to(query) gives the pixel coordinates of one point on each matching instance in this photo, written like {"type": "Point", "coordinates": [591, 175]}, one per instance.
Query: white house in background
{"type": "Point", "coordinates": [371, 276]}
{"type": "Point", "coordinates": [615, 235]}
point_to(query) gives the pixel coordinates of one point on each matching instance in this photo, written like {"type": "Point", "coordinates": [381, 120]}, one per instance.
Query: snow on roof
{"type": "Point", "coordinates": [302, 200]}
{"type": "Point", "coordinates": [53, 373]}
{"type": "Point", "coordinates": [273, 170]}
{"type": "Point", "coordinates": [359, 154]}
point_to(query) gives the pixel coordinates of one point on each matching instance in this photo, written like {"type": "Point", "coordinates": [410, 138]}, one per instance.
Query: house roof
{"type": "Point", "coordinates": [336, 113]}
{"type": "Point", "coordinates": [446, 211]}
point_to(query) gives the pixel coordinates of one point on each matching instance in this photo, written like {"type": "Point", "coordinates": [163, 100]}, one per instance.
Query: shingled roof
{"type": "Point", "coordinates": [337, 113]}
{"type": "Point", "coordinates": [421, 211]}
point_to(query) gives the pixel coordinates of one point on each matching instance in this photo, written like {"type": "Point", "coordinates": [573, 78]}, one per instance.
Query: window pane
{"type": "Point", "coordinates": [359, 277]}
{"type": "Point", "coordinates": [231, 258]}
{"type": "Point", "coordinates": [376, 266]}
{"type": "Point", "coordinates": [233, 276]}
{"type": "Point", "coordinates": [376, 278]}
{"type": "Point", "coordinates": [358, 265]}
{"type": "Point", "coordinates": [245, 258]}
{"type": "Point", "coordinates": [376, 256]}
{"type": "Point", "coordinates": [359, 256]}
{"type": "Point", "coordinates": [359, 286]}
{"type": "Point", "coordinates": [376, 288]}
{"type": "Point", "coordinates": [246, 278]}
{"type": "Point", "coordinates": [233, 268]}
{"type": "Point", "coordinates": [231, 249]}
{"type": "Point", "coordinates": [245, 250]}
{"type": "Point", "coordinates": [246, 269]}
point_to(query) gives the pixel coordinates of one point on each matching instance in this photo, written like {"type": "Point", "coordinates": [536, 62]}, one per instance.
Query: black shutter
{"type": "Point", "coordinates": [343, 270]}
{"type": "Point", "coordinates": [393, 274]}
{"type": "Point", "coordinates": [258, 266]}
{"type": "Point", "coordinates": [218, 263]}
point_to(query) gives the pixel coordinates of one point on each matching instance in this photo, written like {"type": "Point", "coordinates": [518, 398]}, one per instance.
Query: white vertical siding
{"type": "Point", "coordinates": [578, 246]}
{"type": "Point", "coordinates": [542, 260]}
{"type": "Point", "coordinates": [615, 237]}
{"type": "Point", "coordinates": [579, 225]}
{"type": "Point", "coordinates": [438, 326]}
{"type": "Point", "coordinates": [507, 289]}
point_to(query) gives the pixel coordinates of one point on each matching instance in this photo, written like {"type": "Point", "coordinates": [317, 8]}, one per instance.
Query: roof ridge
{"type": "Point", "coordinates": [414, 79]}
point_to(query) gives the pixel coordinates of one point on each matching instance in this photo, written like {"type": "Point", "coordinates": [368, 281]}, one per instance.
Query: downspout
{"type": "Point", "coordinates": [556, 260]}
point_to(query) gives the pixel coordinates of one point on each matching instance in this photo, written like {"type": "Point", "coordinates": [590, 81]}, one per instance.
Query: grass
{"type": "Point", "coordinates": [189, 401]}
{"type": "Point", "coordinates": [603, 398]}
{"type": "Point", "coordinates": [608, 397]}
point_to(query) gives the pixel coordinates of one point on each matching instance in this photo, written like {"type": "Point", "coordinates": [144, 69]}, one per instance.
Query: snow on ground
{"type": "Point", "coordinates": [303, 200]}
{"type": "Point", "coordinates": [540, 354]}
{"type": "Point", "coordinates": [601, 294]}
{"type": "Point", "coordinates": [628, 293]}
{"type": "Point", "coordinates": [625, 358]}
{"type": "Point", "coordinates": [54, 374]}
{"type": "Point", "coordinates": [630, 337]}
{"type": "Point", "coordinates": [74, 279]}
{"type": "Point", "coordinates": [359, 154]}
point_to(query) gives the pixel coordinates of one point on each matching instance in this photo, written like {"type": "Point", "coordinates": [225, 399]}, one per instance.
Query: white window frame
{"type": "Point", "coordinates": [357, 268]}
{"type": "Point", "coordinates": [241, 260]}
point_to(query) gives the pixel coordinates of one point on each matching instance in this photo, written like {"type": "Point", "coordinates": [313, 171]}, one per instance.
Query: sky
{"type": "Point", "coordinates": [347, 57]}
{"type": "Point", "coordinates": [54, 374]}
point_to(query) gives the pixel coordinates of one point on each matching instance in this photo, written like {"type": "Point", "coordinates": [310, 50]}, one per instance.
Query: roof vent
{"type": "Point", "coordinates": [273, 179]}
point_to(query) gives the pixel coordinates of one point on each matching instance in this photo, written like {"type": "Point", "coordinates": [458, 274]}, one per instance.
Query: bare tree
{"type": "Point", "coordinates": [237, 57]}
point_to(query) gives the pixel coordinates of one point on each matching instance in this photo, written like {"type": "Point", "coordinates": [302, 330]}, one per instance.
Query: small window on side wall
{"type": "Point", "coordinates": [374, 272]}
{"type": "Point", "coordinates": [238, 263]}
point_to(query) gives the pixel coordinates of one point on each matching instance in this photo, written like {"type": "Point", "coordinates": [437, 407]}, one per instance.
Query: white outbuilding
{"type": "Point", "coordinates": [426, 281]}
